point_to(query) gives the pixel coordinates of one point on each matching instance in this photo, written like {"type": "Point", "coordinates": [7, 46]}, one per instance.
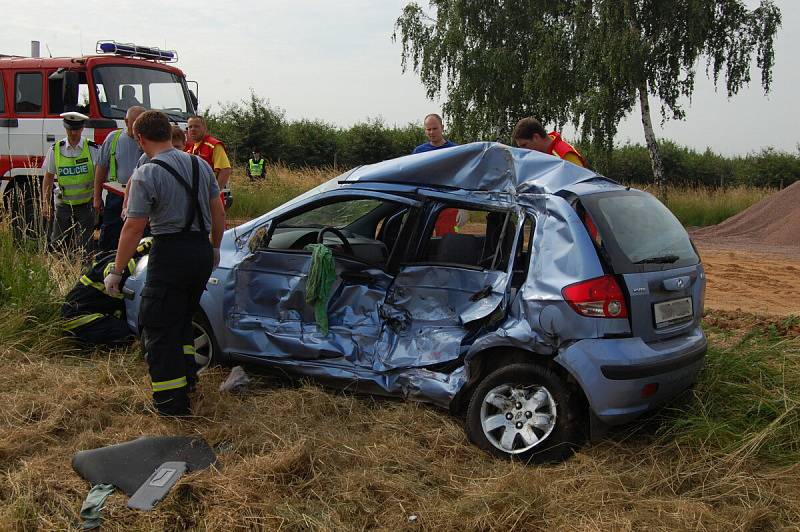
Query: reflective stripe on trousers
{"type": "Point", "coordinates": [81, 321]}
{"type": "Point", "coordinates": [169, 385]}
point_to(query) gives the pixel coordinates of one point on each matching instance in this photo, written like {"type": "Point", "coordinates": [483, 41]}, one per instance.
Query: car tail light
{"type": "Point", "coordinates": [600, 297]}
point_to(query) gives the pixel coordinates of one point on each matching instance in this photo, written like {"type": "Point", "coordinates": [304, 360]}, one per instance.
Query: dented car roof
{"type": "Point", "coordinates": [478, 166]}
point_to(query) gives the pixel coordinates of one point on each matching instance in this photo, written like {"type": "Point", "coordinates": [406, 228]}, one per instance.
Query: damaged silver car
{"type": "Point", "coordinates": [566, 302]}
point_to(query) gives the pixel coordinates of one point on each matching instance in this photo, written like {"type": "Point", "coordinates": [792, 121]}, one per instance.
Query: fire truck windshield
{"type": "Point", "coordinates": [121, 87]}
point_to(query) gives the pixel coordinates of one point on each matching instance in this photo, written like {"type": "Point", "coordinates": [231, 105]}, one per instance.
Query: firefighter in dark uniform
{"type": "Point", "coordinates": [93, 316]}
{"type": "Point", "coordinates": [177, 194]}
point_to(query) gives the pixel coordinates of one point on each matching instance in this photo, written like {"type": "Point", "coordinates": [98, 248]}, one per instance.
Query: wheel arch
{"type": "Point", "coordinates": [484, 362]}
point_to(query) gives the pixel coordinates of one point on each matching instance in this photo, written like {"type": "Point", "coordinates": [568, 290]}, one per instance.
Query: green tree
{"type": "Point", "coordinates": [250, 124]}
{"type": "Point", "coordinates": [588, 62]}
{"type": "Point", "coordinates": [310, 143]}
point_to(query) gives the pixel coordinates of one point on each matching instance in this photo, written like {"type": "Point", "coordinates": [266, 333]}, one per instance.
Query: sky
{"type": "Point", "coordinates": [336, 61]}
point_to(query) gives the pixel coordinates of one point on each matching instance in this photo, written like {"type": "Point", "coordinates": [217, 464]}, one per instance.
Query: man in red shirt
{"type": "Point", "coordinates": [208, 148]}
{"type": "Point", "coordinates": [529, 134]}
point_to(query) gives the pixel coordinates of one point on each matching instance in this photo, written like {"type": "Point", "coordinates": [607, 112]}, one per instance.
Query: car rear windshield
{"type": "Point", "coordinates": [638, 233]}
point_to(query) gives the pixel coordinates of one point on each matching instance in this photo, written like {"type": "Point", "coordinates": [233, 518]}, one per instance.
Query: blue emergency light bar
{"type": "Point", "coordinates": [132, 50]}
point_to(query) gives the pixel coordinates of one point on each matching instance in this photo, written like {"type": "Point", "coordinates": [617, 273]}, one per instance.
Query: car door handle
{"type": "Point", "coordinates": [51, 138]}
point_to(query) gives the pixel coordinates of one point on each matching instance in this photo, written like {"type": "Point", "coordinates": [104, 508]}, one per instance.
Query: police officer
{"type": "Point", "coordinates": [118, 157]}
{"type": "Point", "coordinates": [90, 313]}
{"type": "Point", "coordinates": [179, 196]}
{"type": "Point", "coordinates": [256, 166]}
{"type": "Point", "coordinates": [72, 161]}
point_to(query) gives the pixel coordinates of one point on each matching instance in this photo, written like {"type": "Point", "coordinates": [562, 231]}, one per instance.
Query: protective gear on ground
{"type": "Point", "coordinates": [92, 314]}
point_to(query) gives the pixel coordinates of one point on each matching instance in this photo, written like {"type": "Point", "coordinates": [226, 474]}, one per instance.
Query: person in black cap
{"type": "Point", "coordinates": [93, 316]}
{"type": "Point", "coordinates": [71, 161]}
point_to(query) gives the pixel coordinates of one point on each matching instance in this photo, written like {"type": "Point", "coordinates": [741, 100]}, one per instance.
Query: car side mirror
{"type": "Point", "coordinates": [260, 238]}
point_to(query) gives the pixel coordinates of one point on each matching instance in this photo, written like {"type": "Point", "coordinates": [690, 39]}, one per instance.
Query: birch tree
{"type": "Point", "coordinates": [586, 62]}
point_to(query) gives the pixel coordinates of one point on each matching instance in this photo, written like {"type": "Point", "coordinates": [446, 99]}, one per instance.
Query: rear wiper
{"type": "Point", "coordinates": [664, 259]}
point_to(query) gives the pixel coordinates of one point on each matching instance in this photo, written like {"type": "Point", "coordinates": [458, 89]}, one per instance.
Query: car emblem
{"type": "Point", "coordinates": [680, 283]}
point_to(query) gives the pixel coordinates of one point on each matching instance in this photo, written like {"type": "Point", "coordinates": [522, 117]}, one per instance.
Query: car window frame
{"type": "Point", "coordinates": [424, 231]}
{"type": "Point", "coordinates": [327, 198]}
{"type": "Point", "coordinates": [618, 260]}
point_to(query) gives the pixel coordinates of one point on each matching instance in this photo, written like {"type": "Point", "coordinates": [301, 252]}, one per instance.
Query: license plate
{"type": "Point", "coordinates": [670, 312]}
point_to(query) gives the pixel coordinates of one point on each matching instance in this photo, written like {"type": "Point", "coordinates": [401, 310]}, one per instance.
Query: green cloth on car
{"type": "Point", "coordinates": [320, 279]}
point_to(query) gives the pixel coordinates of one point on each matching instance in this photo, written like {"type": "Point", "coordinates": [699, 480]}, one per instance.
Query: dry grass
{"type": "Point", "coordinates": [300, 457]}
{"type": "Point", "coordinates": [304, 458]}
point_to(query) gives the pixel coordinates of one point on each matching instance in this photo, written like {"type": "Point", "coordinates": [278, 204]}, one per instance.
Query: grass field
{"type": "Point", "coordinates": [725, 456]}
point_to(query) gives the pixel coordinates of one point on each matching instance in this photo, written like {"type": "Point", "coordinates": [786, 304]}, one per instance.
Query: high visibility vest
{"type": "Point", "coordinates": [112, 166]}
{"type": "Point", "coordinates": [204, 149]}
{"type": "Point", "coordinates": [561, 148]}
{"type": "Point", "coordinates": [256, 167]}
{"type": "Point", "coordinates": [75, 174]}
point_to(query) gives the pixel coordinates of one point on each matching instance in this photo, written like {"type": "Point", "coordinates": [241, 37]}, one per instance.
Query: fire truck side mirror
{"type": "Point", "coordinates": [193, 97]}
{"type": "Point", "coordinates": [70, 89]}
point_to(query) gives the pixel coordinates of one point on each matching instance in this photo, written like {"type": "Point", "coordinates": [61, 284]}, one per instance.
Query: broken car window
{"type": "Point", "coordinates": [481, 239]}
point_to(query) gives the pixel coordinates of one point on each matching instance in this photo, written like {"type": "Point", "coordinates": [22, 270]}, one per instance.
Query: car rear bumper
{"type": "Point", "coordinates": [625, 377]}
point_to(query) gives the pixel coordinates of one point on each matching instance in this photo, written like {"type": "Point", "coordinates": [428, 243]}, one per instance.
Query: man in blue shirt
{"type": "Point", "coordinates": [449, 220]}
{"type": "Point", "coordinates": [434, 130]}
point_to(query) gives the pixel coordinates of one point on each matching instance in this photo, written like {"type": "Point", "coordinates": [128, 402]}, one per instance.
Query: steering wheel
{"type": "Point", "coordinates": [328, 229]}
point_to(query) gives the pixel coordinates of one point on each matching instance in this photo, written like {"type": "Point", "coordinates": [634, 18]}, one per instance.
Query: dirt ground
{"type": "Point", "coordinates": [751, 277]}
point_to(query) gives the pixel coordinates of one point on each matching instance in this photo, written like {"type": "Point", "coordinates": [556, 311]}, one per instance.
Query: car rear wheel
{"type": "Point", "coordinates": [524, 412]}
{"type": "Point", "coordinates": [207, 352]}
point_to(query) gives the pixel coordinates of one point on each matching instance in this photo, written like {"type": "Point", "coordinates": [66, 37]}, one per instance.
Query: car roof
{"type": "Point", "coordinates": [478, 166]}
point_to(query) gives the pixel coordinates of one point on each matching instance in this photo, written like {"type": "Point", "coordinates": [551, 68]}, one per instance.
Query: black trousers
{"type": "Point", "coordinates": [177, 272]}
{"type": "Point", "coordinates": [112, 223]}
{"type": "Point", "coordinates": [107, 330]}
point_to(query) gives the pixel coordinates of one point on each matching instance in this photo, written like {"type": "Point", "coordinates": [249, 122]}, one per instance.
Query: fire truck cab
{"type": "Point", "coordinates": [35, 91]}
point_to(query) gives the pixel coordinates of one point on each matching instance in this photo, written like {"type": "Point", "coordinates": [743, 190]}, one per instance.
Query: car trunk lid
{"type": "Point", "coordinates": [642, 243]}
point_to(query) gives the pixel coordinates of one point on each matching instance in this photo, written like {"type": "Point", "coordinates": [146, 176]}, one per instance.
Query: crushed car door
{"type": "Point", "coordinates": [270, 315]}
{"type": "Point", "coordinates": [456, 285]}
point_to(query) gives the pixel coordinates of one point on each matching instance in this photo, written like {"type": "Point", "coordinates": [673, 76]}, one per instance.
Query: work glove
{"type": "Point", "coordinates": [111, 282]}
{"type": "Point", "coordinates": [216, 258]}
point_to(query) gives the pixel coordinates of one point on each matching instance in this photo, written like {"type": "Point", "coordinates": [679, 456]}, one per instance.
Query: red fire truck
{"type": "Point", "coordinates": [34, 91]}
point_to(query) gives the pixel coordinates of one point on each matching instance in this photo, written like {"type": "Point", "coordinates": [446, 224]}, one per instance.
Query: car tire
{"type": "Point", "coordinates": [524, 412]}
{"type": "Point", "coordinates": [207, 351]}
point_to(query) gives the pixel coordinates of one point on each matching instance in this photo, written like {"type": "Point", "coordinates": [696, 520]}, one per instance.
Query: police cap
{"type": "Point", "coordinates": [74, 120]}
